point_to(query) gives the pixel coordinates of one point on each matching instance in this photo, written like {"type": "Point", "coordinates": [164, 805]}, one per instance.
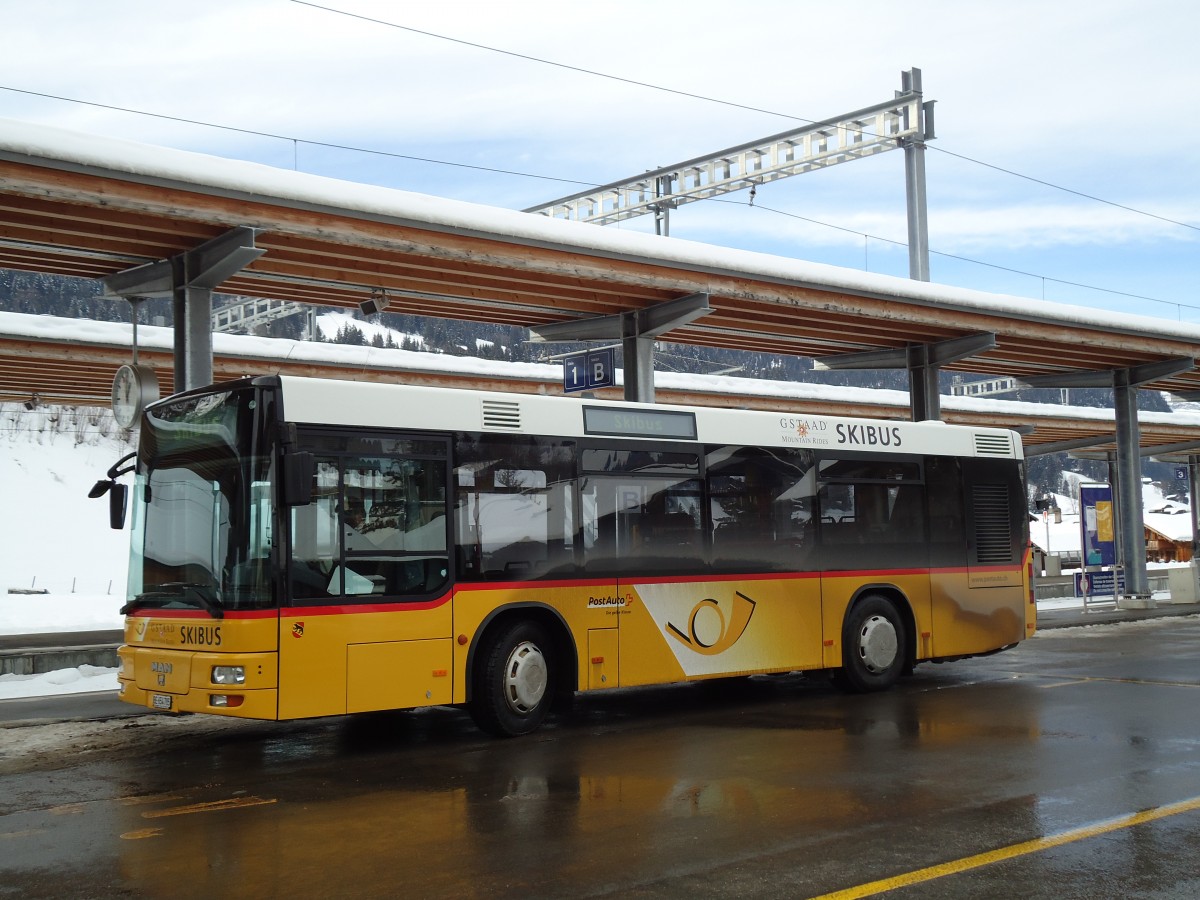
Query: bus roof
{"type": "Point", "coordinates": [421, 408]}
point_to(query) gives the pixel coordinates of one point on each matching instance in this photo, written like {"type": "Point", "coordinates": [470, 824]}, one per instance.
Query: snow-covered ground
{"type": "Point", "coordinates": [48, 613]}
{"type": "Point", "coordinates": [55, 539]}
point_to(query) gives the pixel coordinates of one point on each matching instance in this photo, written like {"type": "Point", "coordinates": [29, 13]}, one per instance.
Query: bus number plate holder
{"type": "Point", "coordinates": [160, 701]}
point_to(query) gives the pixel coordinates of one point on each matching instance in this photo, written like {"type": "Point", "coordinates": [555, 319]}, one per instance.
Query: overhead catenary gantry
{"type": "Point", "coordinates": [905, 121]}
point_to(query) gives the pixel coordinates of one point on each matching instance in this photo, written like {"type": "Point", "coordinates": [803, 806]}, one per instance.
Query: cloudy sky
{"type": "Point", "coordinates": [1063, 165]}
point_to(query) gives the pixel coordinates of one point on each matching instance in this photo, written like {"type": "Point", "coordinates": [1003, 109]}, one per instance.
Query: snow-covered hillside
{"type": "Point", "coordinates": [52, 537]}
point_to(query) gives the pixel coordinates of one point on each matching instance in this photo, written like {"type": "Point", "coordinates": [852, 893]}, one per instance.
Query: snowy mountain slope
{"type": "Point", "coordinates": [52, 536]}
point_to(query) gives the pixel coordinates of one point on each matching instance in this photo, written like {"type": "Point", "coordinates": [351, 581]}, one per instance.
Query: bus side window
{"type": "Point", "coordinates": [878, 504]}
{"type": "Point", "coordinates": [315, 539]}
{"type": "Point", "coordinates": [761, 508]}
{"type": "Point", "coordinates": [515, 505]}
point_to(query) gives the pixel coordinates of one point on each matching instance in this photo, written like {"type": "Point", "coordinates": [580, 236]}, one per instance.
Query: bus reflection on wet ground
{"type": "Point", "coordinates": [757, 787]}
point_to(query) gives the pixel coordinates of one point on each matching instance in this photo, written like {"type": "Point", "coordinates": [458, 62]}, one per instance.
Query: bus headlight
{"type": "Point", "coordinates": [229, 675]}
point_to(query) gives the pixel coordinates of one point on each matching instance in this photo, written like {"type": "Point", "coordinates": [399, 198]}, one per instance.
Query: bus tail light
{"type": "Point", "coordinates": [226, 700]}
{"type": "Point", "coordinates": [229, 675]}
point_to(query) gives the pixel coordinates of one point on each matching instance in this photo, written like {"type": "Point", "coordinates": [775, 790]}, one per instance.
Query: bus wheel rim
{"type": "Point", "coordinates": [878, 644]}
{"type": "Point", "coordinates": [525, 678]}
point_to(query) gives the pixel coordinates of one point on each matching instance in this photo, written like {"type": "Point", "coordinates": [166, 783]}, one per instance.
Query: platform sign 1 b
{"type": "Point", "coordinates": [588, 370]}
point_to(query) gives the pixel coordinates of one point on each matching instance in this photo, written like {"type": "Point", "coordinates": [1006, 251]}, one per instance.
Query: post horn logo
{"type": "Point", "coordinates": [707, 631]}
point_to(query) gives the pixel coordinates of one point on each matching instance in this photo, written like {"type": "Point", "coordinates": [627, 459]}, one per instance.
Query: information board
{"type": "Point", "coordinates": [1096, 526]}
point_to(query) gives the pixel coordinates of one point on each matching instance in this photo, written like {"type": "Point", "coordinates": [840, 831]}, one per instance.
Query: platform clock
{"type": "Point", "coordinates": [134, 387]}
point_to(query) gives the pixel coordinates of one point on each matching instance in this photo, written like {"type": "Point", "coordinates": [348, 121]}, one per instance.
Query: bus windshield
{"type": "Point", "coordinates": [202, 507]}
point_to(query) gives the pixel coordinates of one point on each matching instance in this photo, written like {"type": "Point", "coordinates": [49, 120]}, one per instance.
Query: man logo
{"type": "Point", "coordinates": [707, 632]}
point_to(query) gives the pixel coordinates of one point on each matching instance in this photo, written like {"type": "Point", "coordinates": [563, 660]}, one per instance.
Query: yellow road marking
{"type": "Point", "coordinates": [1084, 679]}
{"type": "Point", "coordinates": [141, 833]}
{"type": "Point", "coordinates": [1035, 846]}
{"type": "Point", "coordinates": [216, 805]}
{"type": "Point", "coordinates": [1147, 681]}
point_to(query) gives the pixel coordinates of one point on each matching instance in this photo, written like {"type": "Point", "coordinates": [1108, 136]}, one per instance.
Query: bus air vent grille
{"type": "Point", "coordinates": [993, 542]}
{"type": "Point", "coordinates": [502, 415]}
{"type": "Point", "coordinates": [994, 444]}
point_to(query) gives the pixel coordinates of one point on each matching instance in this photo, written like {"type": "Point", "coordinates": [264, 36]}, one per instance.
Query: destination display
{"type": "Point", "coordinates": [639, 422]}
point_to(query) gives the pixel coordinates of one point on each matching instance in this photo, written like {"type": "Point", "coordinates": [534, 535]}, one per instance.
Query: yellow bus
{"type": "Point", "coordinates": [306, 547]}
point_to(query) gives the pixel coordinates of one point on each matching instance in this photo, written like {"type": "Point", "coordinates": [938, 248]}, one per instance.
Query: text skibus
{"type": "Point", "coordinates": [308, 548]}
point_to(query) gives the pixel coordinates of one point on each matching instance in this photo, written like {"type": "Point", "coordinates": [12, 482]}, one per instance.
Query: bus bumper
{"type": "Point", "coordinates": [180, 682]}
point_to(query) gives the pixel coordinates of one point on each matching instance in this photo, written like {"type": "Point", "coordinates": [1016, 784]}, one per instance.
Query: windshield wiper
{"type": "Point", "coordinates": [174, 592]}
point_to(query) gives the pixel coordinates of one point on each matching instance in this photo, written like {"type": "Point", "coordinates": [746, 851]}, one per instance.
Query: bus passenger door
{"type": "Point", "coordinates": [600, 534]}
{"type": "Point", "coordinates": [368, 622]}
{"type": "Point", "coordinates": [659, 539]}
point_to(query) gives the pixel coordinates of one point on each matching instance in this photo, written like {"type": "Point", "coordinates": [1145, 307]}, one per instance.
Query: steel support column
{"type": "Point", "coordinates": [914, 178]}
{"type": "Point", "coordinates": [637, 350]}
{"type": "Point", "coordinates": [1129, 491]}
{"type": "Point", "coordinates": [636, 329]}
{"type": "Point", "coordinates": [189, 279]}
{"type": "Point", "coordinates": [923, 361]}
{"type": "Point", "coordinates": [925, 398]}
{"type": "Point", "coordinates": [1194, 496]}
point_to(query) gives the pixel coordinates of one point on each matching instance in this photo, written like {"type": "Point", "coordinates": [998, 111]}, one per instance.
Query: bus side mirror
{"type": "Point", "coordinates": [118, 497]}
{"type": "Point", "coordinates": [296, 487]}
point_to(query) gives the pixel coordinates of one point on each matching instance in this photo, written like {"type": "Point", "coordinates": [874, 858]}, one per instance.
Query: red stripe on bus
{"type": "Point", "coordinates": [299, 612]}
{"type": "Point", "coordinates": [157, 612]}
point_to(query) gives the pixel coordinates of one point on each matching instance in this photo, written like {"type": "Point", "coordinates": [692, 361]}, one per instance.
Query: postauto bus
{"type": "Point", "coordinates": [307, 547]}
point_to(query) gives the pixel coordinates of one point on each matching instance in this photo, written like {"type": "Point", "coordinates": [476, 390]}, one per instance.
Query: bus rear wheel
{"type": "Point", "coordinates": [874, 646]}
{"type": "Point", "coordinates": [513, 680]}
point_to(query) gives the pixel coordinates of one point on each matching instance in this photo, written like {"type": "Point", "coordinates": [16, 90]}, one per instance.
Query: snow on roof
{"type": "Point", "coordinates": [1175, 526]}
{"type": "Point", "coordinates": [36, 143]}
{"type": "Point", "coordinates": [1169, 518]}
{"type": "Point", "coordinates": [87, 331]}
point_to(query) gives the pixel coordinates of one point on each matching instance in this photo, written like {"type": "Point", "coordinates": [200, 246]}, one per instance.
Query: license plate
{"type": "Point", "coordinates": [160, 701]}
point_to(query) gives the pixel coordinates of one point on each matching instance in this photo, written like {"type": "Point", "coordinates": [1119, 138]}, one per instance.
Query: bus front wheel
{"type": "Point", "coordinates": [874, 645]}
{"type": "Point", "coordinates": [514, 680]}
